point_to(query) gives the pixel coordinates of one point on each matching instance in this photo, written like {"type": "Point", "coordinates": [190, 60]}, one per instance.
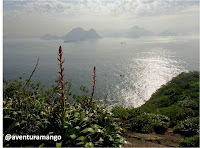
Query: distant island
{"type": "Point", "coordinates": [137, 31]}
{"type": "Point", "coordinates": [78, 34]}
{"type": "Point", "coordinates": [168, 33]}
{"type": "Point", "coordinates": [133, 32]}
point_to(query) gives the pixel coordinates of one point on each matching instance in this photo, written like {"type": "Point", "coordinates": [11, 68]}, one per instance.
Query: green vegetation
{"type": "Point", "coordinates": [188, 127]}
{"type": "Point", "coordinates": [178, 99]}
{"type": "Point", "coordinates": [190, 142]}
{"type": "Point", "coordinates": [147, 123]}
{"type": "Point", "coordinates": [32, 114]}
{"type": "Point", "coordinates": [137, 121]}
{"type": "Point", "coordinates": [174, 105]}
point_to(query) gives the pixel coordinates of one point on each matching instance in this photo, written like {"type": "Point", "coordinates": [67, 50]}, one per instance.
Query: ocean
{"type": "Point", "coordinates": [129, 70]}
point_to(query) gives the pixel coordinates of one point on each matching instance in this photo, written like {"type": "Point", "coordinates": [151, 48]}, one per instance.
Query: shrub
{"type": "Point", "coordinates": [190, 142]}
{"type": "Point", "coordinates": [124, 113]}
{"type": "Point", "coordinates": [96, 127]}
{"type": "Point", "coordinates": [160, 128]}
{"type": "Point", "coordinates": [147, 123]}
{"type": "Point", "coordinates": [188, 127]}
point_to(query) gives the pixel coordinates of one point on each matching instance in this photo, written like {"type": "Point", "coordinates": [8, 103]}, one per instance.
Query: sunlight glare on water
{"type": "Point", "coordinates": [146, 74]}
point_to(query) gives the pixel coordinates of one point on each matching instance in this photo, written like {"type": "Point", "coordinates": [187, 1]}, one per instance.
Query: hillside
{"type": "Point", "coordinates": [178, 99]}
{"type": "Point", "coordinates": [170, 114]}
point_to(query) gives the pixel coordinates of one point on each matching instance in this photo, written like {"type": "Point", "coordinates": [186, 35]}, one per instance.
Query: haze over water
{"type": "Point", "coordinates": [129, 71]}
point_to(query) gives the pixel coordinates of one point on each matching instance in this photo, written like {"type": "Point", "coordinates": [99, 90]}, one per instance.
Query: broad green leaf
{"type": "Point", "coordinates": [89, 144]}
{"type": "Point", "coordinates": [80, 143]}
{"type": "Point", "coordinates": [7, 117]}
{"type": "Point", "coordinates": [42, 113]}
{"type": "Point", "coordinates": [12, 126]}
{"type": "Point", "coordinates": [86, 119]}
{"type": "Point", "coordinates": [82, 138]}
{"type": "Point", "coordinates": [127, 142]}
{"type": "Point", "coordinates": [87, 130]}
{"type": "Point", "coordinates": [41, 145]}
{"type": "Point", "coordinates": [76, 119]}
{"type": "Point", "coordinates": [90, 114]}
{"type": "Point", "coordinates": [100, 131]}
{"type": "Point", "coordinates": [77, 127]}
{"type": "Point", "coordinates": [73, 136]}
{"type": "Point", "coordinates": [82, 115]}
{"type": "Point", "coordinates": [46, 122]}
{"type": "Point", "coordinates": [17, 124]}
{"type": "Point", "coordinates": [96, 126]}
{"type": "Point", "coordinates": [58, 144]}
{"type": "Point", "coordinates": [101, 139]}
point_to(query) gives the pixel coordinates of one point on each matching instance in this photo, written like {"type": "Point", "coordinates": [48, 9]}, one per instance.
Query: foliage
{"type": "Point", "coordinates": [178, 99]}
{"type": "Point", "coordinates": [95, 127]}
{"type": "Point", "coordinates": [125, 113]}
{"type": "Point", "coordinates": [135, 120]}
{"type": "Point", "coordinates": [160, 128]}
{"type": "Point", "coordinates": [190, 142]}
{"type": "Point", "coordinates": [188, 127]}
{"type": "Point", "coordinates": [147, 123]}
{"type": "Point", "coordinates": [27, 112]}
{"type": "Point", "coordinates": [84, 124]}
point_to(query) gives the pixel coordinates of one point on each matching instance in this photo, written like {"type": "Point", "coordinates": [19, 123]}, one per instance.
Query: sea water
{"type": "Point", "coordinates": [128, 70]}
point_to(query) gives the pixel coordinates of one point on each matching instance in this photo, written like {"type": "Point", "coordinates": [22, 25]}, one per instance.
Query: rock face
{"type": "Point", "coordinates": [78, 34]}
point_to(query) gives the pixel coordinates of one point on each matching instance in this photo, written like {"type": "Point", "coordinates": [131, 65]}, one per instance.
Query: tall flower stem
{"type": "Point", "coordinates": [62, 84]}
{"type": "Point", "coordinates": [94, 82]}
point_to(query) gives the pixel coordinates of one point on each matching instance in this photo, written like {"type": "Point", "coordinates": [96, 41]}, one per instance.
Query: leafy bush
{"type": "Point", "coordinates": [125, 113]}
{"type": "Point", "coordinates": [190, 142]}
{"type": "Point", "coordinates": [147, 123]}
{"type": "Point", "coordinates": [96, 127]}
{"type": "Point", "coordinates": [121, 112]}
{"type": "Point", "coordinates": [84, 124]}
{"type": "Point", "coordinates": [160, 128]}
{"type": "Point", "coordinates": [27, 111]}
{"type": "Point", "coordinates": [188, 127]}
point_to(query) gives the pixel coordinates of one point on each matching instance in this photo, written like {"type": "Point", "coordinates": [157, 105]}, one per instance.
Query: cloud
{"type": "Point", "coordinates": [102, 7]}
{"type": "Point", "coordinates": [101, 14]}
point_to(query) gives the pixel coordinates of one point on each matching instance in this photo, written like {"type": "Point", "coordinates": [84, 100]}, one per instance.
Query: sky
{"type": "Point", "coordinates": [39, 17]}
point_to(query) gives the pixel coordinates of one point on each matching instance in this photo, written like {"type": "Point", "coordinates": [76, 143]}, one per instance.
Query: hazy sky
{"type": "Point", "coordinates": [60, 16]}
